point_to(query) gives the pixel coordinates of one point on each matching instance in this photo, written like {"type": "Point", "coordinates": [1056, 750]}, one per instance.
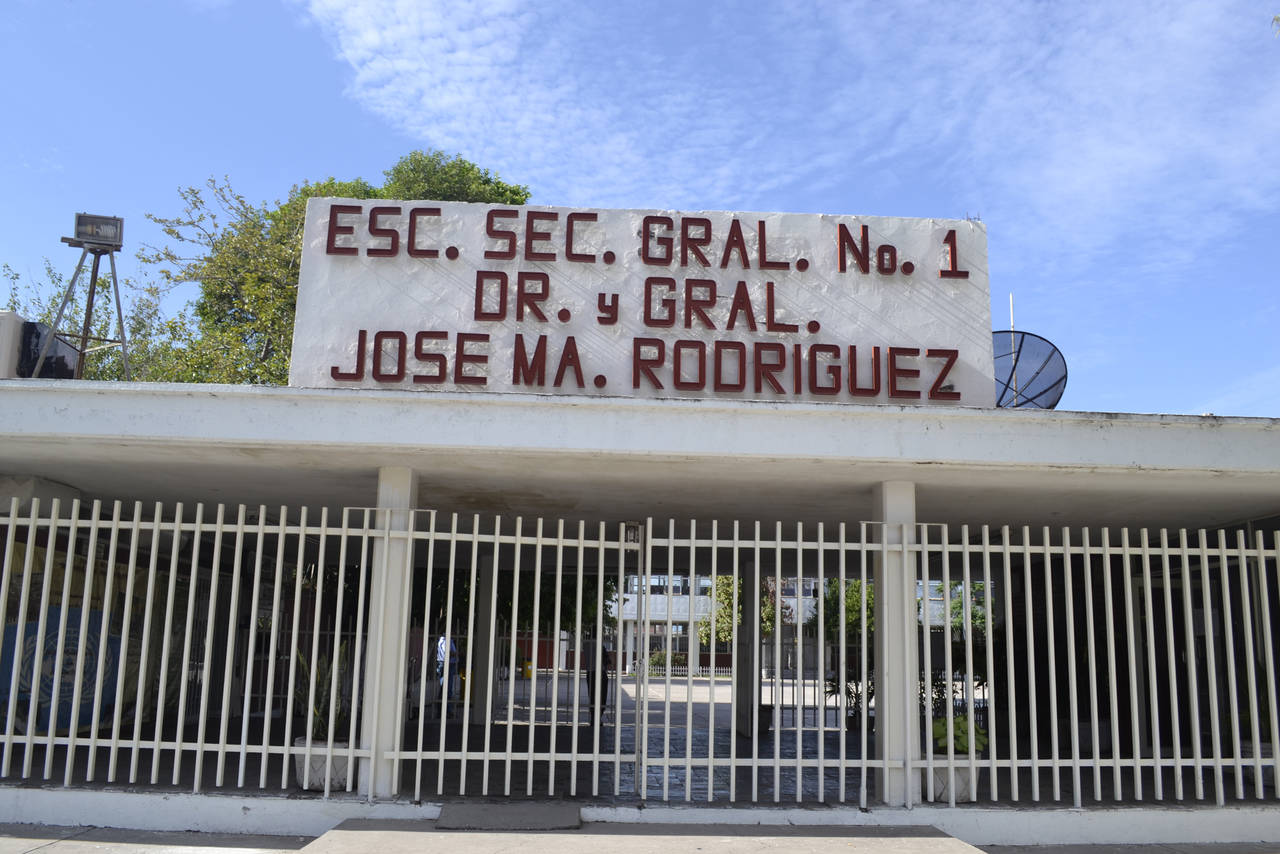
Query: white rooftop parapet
{"type": "Point", "coordinates": [10, 340]}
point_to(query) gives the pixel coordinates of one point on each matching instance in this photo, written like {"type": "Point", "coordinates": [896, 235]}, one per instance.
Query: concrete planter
{"type": "Point", "coordinates": [339, 772]}
{"type": "Point", "coordinates": [965, 782]}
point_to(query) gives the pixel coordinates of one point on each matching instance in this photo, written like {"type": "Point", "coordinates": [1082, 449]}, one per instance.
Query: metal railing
{"type": "Point", "coordinates": [222, 648]}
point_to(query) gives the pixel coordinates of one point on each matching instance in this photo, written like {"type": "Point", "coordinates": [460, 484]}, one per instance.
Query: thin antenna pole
{"type": "Point", "coordinates": [1013, 345]}
{"type": "Point", "coordinates": [57, 323]}
{"type": "Point", "coordinates": [88, 315]}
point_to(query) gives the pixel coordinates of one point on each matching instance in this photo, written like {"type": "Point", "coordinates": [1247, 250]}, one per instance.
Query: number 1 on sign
{"type": "Point", "coordinates": [953, 271]}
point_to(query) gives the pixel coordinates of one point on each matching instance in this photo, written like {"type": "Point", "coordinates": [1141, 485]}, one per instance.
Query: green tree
{"type": "Point", "coordinates": [245, 258]}
{"type": "Point", "coordinates": [854, 608]}
{"type": "Point", "coordinates": [155, 341]}
{"type": "Point", "coordinates": [727, 613]}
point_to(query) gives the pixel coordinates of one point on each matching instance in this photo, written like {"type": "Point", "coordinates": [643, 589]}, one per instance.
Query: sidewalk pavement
{"type": "Point", "coordinates": [397, 837]}
{"type": "Point", "coordinates": [49, 839]}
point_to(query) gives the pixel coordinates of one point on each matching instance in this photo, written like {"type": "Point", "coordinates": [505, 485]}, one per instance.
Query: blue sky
{"type": "Point", "coordinates": [1123, 155]}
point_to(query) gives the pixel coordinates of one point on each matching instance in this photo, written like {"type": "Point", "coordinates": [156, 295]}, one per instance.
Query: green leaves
{"type": "Point", "coordinates": [246, 257]}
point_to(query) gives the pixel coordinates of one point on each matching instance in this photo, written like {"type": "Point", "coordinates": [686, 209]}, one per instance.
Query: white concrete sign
{"type": "Point", "coordinates": [436, 296]}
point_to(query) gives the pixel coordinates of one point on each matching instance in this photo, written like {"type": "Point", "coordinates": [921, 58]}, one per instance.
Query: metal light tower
{"type": "Point", "coordinates": [99, 235]}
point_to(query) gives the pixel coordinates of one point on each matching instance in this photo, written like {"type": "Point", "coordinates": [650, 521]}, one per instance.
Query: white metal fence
{"type": "Point", "coordinates": [220, 648]}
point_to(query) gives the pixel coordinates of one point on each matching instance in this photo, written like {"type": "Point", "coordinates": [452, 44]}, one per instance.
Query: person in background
{"type": "Point", "coordinates": [598, 678]}
{"type": "Point", "coordinates": [446, 668]}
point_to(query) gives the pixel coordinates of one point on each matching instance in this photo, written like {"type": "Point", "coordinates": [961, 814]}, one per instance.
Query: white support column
{"type": "Point", "coordinates": [897, 656]}
{"type": "Point", "coordinates": [387, 632]}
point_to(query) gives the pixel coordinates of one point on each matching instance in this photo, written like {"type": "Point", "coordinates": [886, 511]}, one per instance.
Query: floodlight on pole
{"type": "Point", "coordinates": [99, 235]}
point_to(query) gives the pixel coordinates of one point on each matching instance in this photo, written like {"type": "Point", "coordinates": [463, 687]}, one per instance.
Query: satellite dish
{"type": "Point", "coordinates": [1030, 372]}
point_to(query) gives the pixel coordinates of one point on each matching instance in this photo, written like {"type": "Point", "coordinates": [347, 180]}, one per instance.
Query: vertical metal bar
{"type": "Point", "coordinates": [1193, 664]}
{"type": "Point", "coordinates": [267, 703]}
{"type": "Point", "coordinates": [820, 657]}
{"type": "Point", "coordinates": [1246, 619]}
{"type": "Point", "coordinates": [1073, 686]}
{"type": "Point", "coordinates": [577, 660]}
{"type": "Point", "coordinates": [734, 619]}
{"type": "Point", "coordinates": [312, 677]}
{"type": "Point", "coordinates": [666, 698]}
{"type": "Point", "coordinates": [165, 642]}
{"type": "Point", "coordinates": [228, 669]}
{"type": "Point", "coordinates": [1095, 759]}
{"type": "Point", "coordinates": [908, 582]}
{"type": "Point", "coordinates": [215, 573]}
{"type": "Point", "coordinates": [1230, 644]}
{"type": "Point", "coordinates": [358, 700]}
{"type": "Point", "coordinates": [555, 663]}
{"type": "Point", "coordinates": [469, 667]}
{"type": "Point", "coordinates": [712, 641]}
{"type": "Point", "coordinates": [926, 634]}
{"type": "Point", "coordinates": [842, 665]}
{"type": "Point", "coordinates": [797, 694]}
{"type": "Point", "coordinates": [124, 643]}
{"type": "Point", "coordinates": [104, 639]}
{"type": "Point", "coordinates": [533, 670]}
{"type": "Point", "coordinates": [1032, 688]}
{"type": "Point", "coordinates": [642, 724]}
{"type": "Point", "coordinates": [61, 638]}
{"type": "Point", "coordinates": [777, 662]}
{"type": "Point", "coordinates": [447, 654]}
{"type": "Point", "coordinates": [251, 652]}
{"type": "Point", "coordinates": [1113, 694]}
{"type": "Point", "coordinates": [601, 673]}
{"type": "Point", "coordinates": [1232, 684]}
{"type": "Point", "coordinates": [1052, 644]}
{"type": "Point", "coordinates": [948, 664]}
{"type": "Point", "coordinates": [197, 536]}
{"type": "Point", "coordinates": [336, 658]}
{"type": "Point", "coordinates": [86, 597]}
{"type": "Point", "coordinates": [11, 525]}
{"type": "Point", "coordinates": [291, 685]}
{"type": "Point", "coordinates": [1172, 664]}
{"type": "Point", "coordinates": [617, 664]}
{"type": "Point", "coordinates": [864, 678]}
{"type": "Point", "coordinates": [145, 656]}
{"type": "Point", "coordinates": [756, 655]}
{"type": "Point", "coordinates": [690, 664]}
{"type": "Point", "coordinates": [1264, 599]}
{"type": "Point", "coordinates": [1009, 665]}
{"type": "Point", "coordinates": [37, 664]}
{"type": "Point", "coordinates": [489, 667]}
{"type": "Point", "coordinates": [1134, 734]}
{"type": "Point", "coordinates": [1152, 692]}
{"type": "Point", "coordinates": [428, 647]}
{"type": "Point", "coordinates": [359, 710]}
{"type": "Point", "coordinates": [1215, 728]}
{"type": "Point", "coordinates": [511, 661]}
{"type": "Point", "coordinates": [989, 642]}
{"type": "Point", "coordinates": [967, 634]}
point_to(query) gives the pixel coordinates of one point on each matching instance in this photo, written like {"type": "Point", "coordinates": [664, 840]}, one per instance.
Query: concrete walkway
{"type": "Point", "coordinates": [48, 839]}
{"type": "Point", "coordinates": [403, 837]}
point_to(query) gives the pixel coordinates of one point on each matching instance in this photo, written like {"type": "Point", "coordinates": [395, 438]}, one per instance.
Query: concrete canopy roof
{"type": "Point", "coordinates": [614, 459]}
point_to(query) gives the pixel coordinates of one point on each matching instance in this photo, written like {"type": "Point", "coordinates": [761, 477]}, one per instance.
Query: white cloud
{"type": "Point", "coordinates": [1061, 119]}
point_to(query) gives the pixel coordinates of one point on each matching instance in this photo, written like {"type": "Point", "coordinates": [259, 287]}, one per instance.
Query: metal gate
{"type": "Point", "coordinates": [222, 648]}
